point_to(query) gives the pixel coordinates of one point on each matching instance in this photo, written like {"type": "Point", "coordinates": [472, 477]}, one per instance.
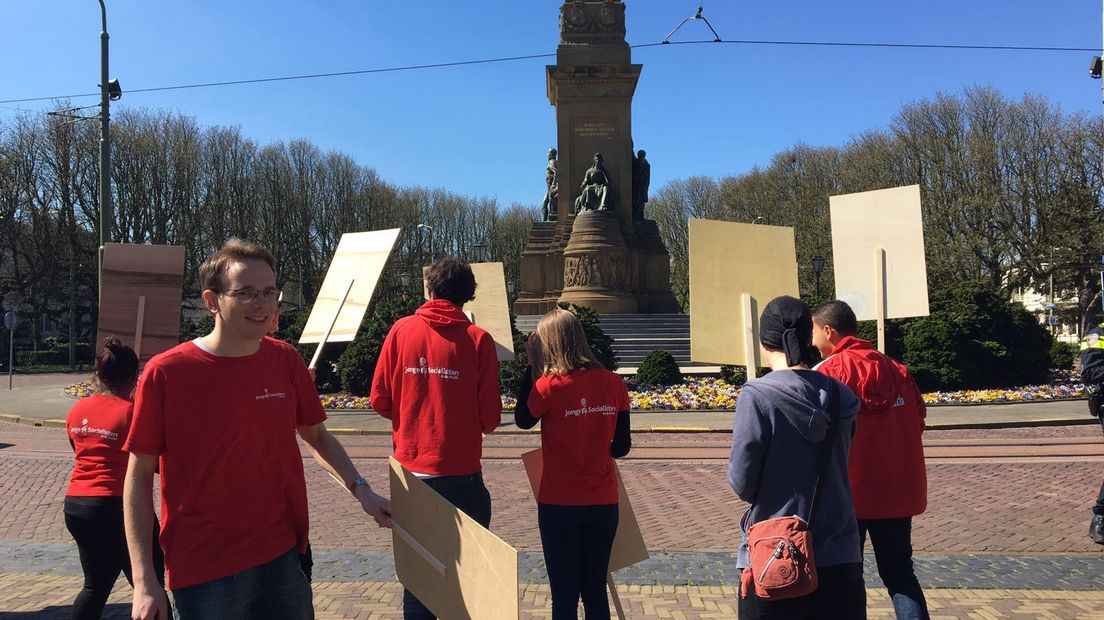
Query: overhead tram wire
{"type": "Point", "coordinates": [485, 61]}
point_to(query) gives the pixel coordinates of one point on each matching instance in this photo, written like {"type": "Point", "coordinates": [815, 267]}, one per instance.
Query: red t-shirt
{"type": "Point", "coordinates": [233, 494]}
{"type": "Point", "coordinates": [97, 426]}
{"type": "Point", "coordinates": [578, 414]}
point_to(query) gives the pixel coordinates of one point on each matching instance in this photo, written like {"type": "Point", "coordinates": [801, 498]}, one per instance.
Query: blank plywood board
{"type": "Point", "coordinates": [628, 544]}
{"type": "Point", "coordinates": [471, 572]}
{"type": "Point", "coordinates": [490, 308]}
{"type": "Point", "coordinates": [888, 219]}
{"type": "Point", "coordinates": [728, 259]}
{"type": "Point", "coordinates": [360, 258]}
{"type": "Point", "coordinates": [131, 272]}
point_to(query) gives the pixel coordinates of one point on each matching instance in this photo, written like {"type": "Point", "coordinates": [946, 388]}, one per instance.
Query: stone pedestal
{"type": "Point", "coordinates": [653, 271]}
{"type": "Point", "coordinates": [597, 265]}
{"type": "Point", "coordinates": [534, 284]}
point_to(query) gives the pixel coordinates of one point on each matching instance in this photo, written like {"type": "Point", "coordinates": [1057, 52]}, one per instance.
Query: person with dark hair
{"type": "Point", "coordinates": [888, 478]}
{"type": "Point", "coordinates": [97, 426]}
{"type": "Point", "coordinates": [584, 414]}
{"type": "Point", "coordinates": [436, 379]}
{"type": "Point", "coordinates": [785, 421]}
{"type": "Point", "coordinates": [221, 415]}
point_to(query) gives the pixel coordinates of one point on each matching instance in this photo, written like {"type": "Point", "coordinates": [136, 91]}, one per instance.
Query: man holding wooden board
{"type": "Point", "coordinates": [437, 381]}
{"type": "Point", "coordinates": [220, 414]}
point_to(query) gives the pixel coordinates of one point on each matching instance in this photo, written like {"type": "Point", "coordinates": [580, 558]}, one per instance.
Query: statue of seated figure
{"type": "Point", "coordinates": [597, 192]}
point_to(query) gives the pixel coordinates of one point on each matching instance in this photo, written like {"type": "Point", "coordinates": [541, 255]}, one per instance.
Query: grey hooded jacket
{"type": "Point", "coordinates": [780, 427]}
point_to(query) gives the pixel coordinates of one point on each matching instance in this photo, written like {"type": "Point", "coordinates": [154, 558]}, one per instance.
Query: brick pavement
{"type": "Point", "coordinates": [1016, 507]}
{"type": "Point", "coordinates": [1033, 508]}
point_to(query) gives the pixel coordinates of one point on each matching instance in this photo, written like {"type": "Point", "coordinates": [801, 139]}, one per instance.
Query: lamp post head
{"type": "Point", "coordinates": [114, 91]}
{"type": "Point", "coordinates": [1095, 67]}
{"type": "Point", "coordinates": [818, 264]}
{"type": "Point", "coordinates": [480, 252]}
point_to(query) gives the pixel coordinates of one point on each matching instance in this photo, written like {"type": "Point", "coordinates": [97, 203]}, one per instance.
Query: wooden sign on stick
{"type": "Point", "coordinates": [456, 567]}
{"type": "Point", "coordinates": [628, 543]}
{"type": "Point", "coordinates": [490, 308]}
{"type": "Point", "coordinates": [359, 259]}
{"type": "Point", "coordinates": [140, 300]}
{"type": "Point", "coordinates": [878, 254]}
{"type": "Point", "coordinates": [735, 270]}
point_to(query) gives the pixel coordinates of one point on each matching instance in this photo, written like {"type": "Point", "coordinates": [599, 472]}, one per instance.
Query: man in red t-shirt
{"type": "Point", "coordinates": [220, 414]}
{"type": "Point", "coordinates": [886, 466]}
{"type": "Point", "coordinates": [437, 381]}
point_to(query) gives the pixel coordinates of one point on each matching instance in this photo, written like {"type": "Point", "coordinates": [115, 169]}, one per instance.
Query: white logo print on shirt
{"type": "Point", "coordinates": [584, 409]}
{"type": "Point", "coordinates": [84, 429]}
{"type": "Point", "coordinates": [424, 368]}
{"type": "Point", "coordinates": [267, 395]}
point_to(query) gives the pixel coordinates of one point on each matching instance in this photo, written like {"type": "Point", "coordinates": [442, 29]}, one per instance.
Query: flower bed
{"type": "Point", "coordinates": [713, 394]}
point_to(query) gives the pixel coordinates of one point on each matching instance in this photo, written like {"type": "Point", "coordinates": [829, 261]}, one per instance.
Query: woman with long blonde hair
{"type": "Point", "coordinates": [584, 413]}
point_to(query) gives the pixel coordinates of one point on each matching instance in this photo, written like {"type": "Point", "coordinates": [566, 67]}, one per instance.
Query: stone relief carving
{"type": "Point", "coordinates": [591, 18]}
{"type": "Point", "coordinates": [610, 271]}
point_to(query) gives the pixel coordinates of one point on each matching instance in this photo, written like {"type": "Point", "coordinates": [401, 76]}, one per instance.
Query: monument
{"type": "Point", "coordinates": [595, 246]}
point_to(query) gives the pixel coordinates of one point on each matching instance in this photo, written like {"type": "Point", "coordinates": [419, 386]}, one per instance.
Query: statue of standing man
{"type": "Point", "coordinates": [549, 211]}
{"type": "Point", "coordinates": [641, 178]}
{"type": "Point", "coordinates": [596, 188]}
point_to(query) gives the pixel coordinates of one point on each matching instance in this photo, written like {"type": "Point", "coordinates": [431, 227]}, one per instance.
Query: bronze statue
{"type": "Point", "coordinates": [641, 178]}
{"type": "Point", "coordinates": [549, 210]}
{"type": "Point", "coordinates": [597, 193]}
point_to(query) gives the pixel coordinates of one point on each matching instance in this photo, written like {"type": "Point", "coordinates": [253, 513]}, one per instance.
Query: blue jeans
{"type": "Point", "coordinates": [577, 541]}
{"type": "Point", "coordinates": [892, 542]}
{"type": "Point", "coordinates": [469, 494]}
{"type": "Point", "coordinates": [276, 589]}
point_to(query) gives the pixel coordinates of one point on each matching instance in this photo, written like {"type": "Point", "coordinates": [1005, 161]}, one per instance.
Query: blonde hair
{"type": "Point", "coordinates": [561, 345]}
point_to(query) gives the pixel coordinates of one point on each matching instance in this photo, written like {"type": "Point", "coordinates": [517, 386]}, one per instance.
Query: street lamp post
{"type": "Point", "coordinates": [818, 266]}
{"type": "Point", "coordinates": [421, 227]}
{"type": "Point", "coordinates": [106, 212]}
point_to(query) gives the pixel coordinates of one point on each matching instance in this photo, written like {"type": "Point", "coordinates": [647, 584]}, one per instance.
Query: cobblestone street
{"type": "Point", "coordinates": [1004, 534]}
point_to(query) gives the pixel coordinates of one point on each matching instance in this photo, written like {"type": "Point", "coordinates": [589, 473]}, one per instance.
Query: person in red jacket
{"type": "Point", "coordinates": [97, 426]}
{"type": "Point", "coordinates": [584, 414]}
{"type": "Point", "coordinates": [888, 480]}
{"type": "Point", "coordinates": [436, 379]}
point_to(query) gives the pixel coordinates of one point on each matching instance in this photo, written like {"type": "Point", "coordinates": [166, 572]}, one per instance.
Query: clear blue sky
{"type": "Point", "coordinates": [484, 130]}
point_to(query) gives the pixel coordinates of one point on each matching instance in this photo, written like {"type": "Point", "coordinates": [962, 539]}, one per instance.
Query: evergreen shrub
{"type": "Point", "coordinates": [658, 368]}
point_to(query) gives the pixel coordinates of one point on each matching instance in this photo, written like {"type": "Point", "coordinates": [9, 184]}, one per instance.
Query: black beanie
{"type": "Point", "coordinates": [786, 325]}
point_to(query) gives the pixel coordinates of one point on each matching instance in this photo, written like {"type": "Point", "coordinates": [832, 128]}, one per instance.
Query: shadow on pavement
{"type": "Point", "coordinates": [61, 612]}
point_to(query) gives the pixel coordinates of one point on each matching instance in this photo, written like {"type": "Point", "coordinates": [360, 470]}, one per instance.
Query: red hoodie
{"type": "Point", "coordinates": [437, 381]}
{"type": "Point", "coordinates": [888, 480]}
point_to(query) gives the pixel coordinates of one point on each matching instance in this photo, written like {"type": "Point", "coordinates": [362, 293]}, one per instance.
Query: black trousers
{"type": "Point", "coordinates": [577, 541]}
{"type": "Point", "coordinates": [96, 524]}
{"type": "Point", "coordinates": [1096, 408]}
{"type": "Point", "coordinates": [469, 494]}
{"type": "Point", "coordinates": [840, 595]}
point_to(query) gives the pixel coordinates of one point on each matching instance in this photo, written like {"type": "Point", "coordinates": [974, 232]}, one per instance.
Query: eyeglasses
{"type": "Point", "coordinates": [246, 295]}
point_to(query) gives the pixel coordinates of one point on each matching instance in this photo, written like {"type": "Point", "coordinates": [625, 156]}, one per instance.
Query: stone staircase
{"type": "Point", "coordinates": [634, 335]}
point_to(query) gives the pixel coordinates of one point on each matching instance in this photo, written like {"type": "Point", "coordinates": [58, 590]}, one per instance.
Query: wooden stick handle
{"type": "Point", "coordinates": [613, 595]}
{"type": "Point", "coordinates": [329, 330]}
{"type": "Point", "coordinates": [417, 547]}
{"type": "Point", "coordinates": [880, 299]}
{"type": "Point", "coordinates": [749, 335]}
{"type": "Point", "coordinates": [138, 326]}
